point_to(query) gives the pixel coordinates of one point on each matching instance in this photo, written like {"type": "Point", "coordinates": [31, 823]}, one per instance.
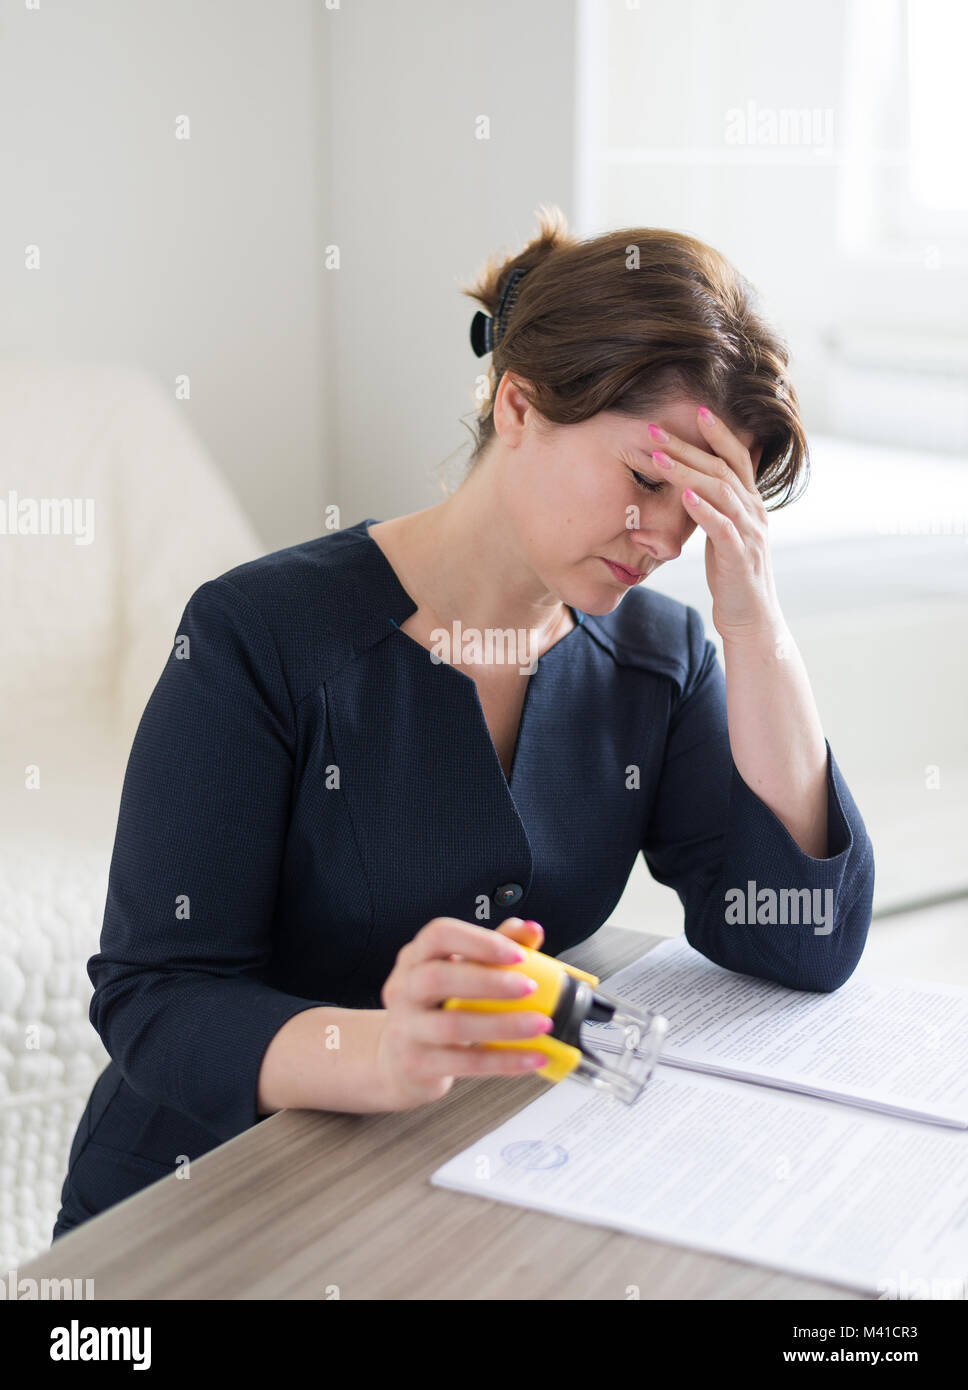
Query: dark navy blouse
{"type": "Point", "coordinates": [307, 787]}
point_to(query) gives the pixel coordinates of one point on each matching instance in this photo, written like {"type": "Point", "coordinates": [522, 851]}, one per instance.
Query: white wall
{"type": "Point", "coordinates": [355, 127]}
{"type": "Point", "coordinates": [311, 127]}
{"type": "Point", "coordinates": [416, 204]}
{"type": "Point", "coordinates": [195, 256]}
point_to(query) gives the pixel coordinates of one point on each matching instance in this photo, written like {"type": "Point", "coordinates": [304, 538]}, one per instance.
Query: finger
{"type": "Point", "coordinates": [528, 933]}
{"type": "Point", "coordinates": [533, 935]}
{"type": "Point", "coordinates": [448, 935]}
{"type": "Point", "coordinates": [719, 492]}
{"type": "Point", "coordinates": [719, 528]}
{"type": "Point", "coordinates": [469, 1061]}
{"type": "Point", "coordinates": [433, 981]}
{"type": "Point", "coordinates": [688, 462]}
{"type": "Point", "coordinates": [726, 445]}
{"type": "Point", "coordinates": [453, 1027]}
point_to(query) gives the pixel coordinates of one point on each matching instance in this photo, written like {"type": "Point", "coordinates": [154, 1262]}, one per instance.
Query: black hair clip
{"type": "Point", "coordinates": [485, 330]}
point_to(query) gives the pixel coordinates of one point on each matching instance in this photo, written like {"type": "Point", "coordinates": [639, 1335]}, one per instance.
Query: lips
{"type": "Point", "coordinates": [622, 573]}
{"type": "Point", "coordinates": [631, 576]}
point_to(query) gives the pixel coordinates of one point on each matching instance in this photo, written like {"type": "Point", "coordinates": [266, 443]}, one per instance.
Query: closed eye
{"type": "Point", "coordinates": [645, 484]}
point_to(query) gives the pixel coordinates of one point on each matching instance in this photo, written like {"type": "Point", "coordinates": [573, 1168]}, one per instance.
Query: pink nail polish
{"type": "Point", "coordinates": [689, 495]}
{"type": "Point", "coordinates": [663, 460]}
{"type": "Point", "coordinates": [707, 415]}
{"type": "Point", "coordinates": [658, 433]}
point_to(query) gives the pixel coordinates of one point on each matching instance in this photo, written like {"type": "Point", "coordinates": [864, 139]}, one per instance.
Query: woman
{"type": "Point", "coordinates": [334, 797]}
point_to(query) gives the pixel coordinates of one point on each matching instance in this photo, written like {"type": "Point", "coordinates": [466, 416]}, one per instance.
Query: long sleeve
{"type": "Point", "coordinates": [187, 926]}
{"type": "Point", "coordinates": [719, 846]}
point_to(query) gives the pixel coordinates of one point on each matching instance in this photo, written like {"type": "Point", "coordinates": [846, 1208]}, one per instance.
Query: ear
{"type": "Point", "coordinates": [514, 404]}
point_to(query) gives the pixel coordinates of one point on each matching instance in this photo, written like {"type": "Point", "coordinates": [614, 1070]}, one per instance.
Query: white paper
{"type": "Point", "coordinates": [872, 1202]}
{"type": "Point", "coordinates": [900, 1046]}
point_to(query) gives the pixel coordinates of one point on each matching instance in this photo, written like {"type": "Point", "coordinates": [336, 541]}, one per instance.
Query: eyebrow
{"type": "Point", "coordinates": [654, 474]}
{"type": "Point", "coordinates": [637, 449]}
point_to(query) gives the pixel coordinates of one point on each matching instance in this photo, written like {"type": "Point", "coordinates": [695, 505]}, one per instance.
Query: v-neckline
{"type": "Point", "coordinates": [408, 599]}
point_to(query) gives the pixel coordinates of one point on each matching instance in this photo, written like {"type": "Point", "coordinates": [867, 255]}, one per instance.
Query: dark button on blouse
{"type": "Point", "coordinates": [508, 894]}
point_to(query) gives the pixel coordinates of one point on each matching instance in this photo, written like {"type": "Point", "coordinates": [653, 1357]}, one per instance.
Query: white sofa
{"type": "Point", "coordinates": [87, 630]}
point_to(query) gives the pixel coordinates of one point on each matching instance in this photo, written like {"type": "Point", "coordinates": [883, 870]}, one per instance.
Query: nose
{"type": "Point", "coordinates": [665, 528]}
{"type": "Point", "coordinates": [665, 543]}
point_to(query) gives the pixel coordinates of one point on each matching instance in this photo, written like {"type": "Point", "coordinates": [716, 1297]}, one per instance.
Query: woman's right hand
{"type": "Point", "coordinates": [422, 1046]}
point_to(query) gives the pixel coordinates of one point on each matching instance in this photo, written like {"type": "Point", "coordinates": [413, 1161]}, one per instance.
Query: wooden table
{"type": "Point", "coordinates": [316, 1205]}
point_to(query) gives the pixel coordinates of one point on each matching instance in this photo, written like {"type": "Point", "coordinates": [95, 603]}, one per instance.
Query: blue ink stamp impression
{"type": "Point", "coordinates": [534, 1153]}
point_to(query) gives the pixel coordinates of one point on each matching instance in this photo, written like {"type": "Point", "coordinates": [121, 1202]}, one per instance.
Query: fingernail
{"type": "Point", "coordinates": [663, 460]}
{"type": "Point", "coordinates": [514, 955]}
{"type": "Point", "coordinates": [530, 923]}
{"type": "Point", "coordinates": [707, 415]}
{"type": "Point", "coordinates": [658, 433]}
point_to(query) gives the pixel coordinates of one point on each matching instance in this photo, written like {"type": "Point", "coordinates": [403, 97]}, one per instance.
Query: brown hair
{"type": "Point", "coordinates": [635, 318]}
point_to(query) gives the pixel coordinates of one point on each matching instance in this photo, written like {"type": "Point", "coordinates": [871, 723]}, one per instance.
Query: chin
{"type": "Point", "coordinates": [607, 605]}
{"type": "Point", "coordinates": [599, 601]}
{"type": "Point", "coordinates": [596, 598]}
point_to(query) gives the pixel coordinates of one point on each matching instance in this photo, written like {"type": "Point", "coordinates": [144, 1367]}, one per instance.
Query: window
{"type": "Point", "coordinates": [904, 176]}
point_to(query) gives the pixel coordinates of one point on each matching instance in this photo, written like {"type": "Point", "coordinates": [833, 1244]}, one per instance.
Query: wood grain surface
{"type": "Point", "coordinates": [317, 1205]}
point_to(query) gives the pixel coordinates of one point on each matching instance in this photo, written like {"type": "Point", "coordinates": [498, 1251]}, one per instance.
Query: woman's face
{"type": "Point", "coordinates": [573, 498]}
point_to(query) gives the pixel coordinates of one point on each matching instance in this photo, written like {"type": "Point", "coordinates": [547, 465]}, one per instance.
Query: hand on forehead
{"type": "Point", "coordinates": [680, 418]}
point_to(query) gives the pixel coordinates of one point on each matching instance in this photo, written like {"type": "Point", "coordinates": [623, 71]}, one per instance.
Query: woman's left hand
{"type": "Point", "coordinates": [726, 504]}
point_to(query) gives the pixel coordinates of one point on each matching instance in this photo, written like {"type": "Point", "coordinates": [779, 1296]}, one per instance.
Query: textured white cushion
{"type": "Point", "coordinates": [49, 1053]}
{"type": "Point", "coordinates": [89, 628]}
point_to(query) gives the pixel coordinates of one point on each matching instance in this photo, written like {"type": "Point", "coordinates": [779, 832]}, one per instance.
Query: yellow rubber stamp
{"type": "Point", "coordinates": [572, 999]}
